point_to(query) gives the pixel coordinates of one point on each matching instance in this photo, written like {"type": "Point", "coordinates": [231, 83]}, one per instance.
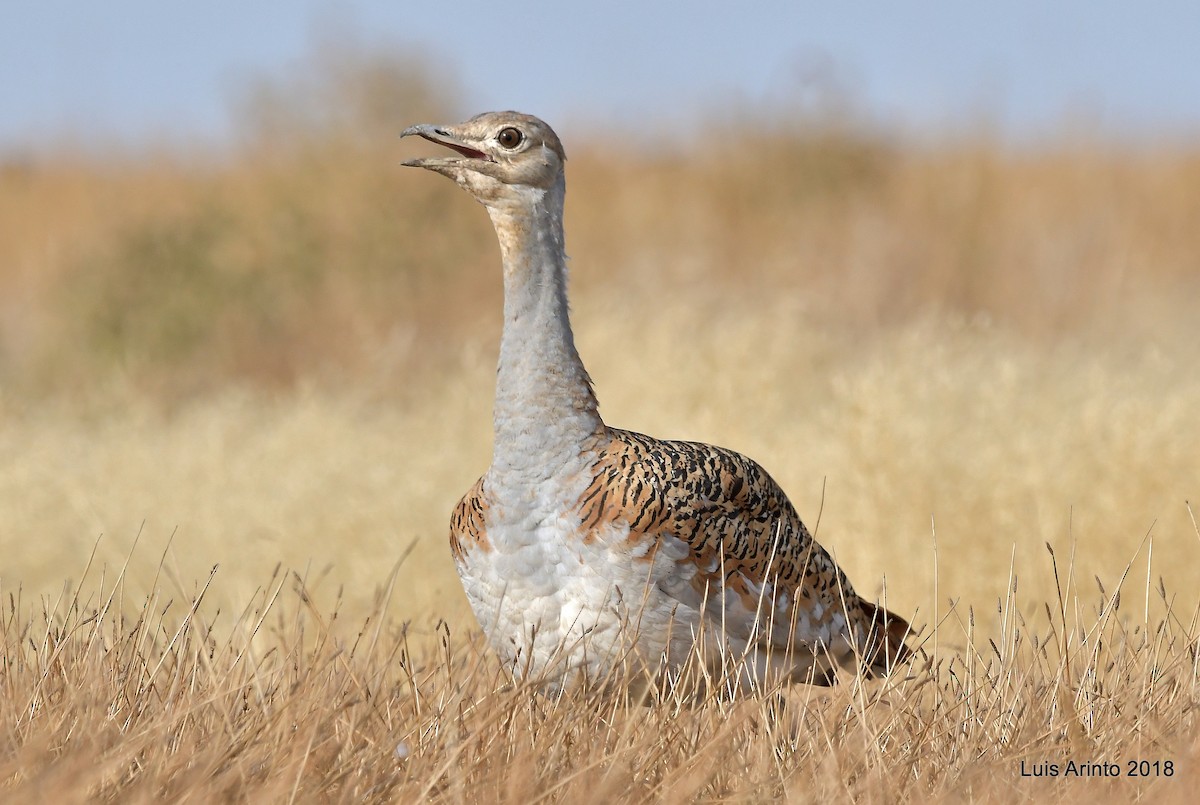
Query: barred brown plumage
{"type": "Point", "coordinates": [586, 549]}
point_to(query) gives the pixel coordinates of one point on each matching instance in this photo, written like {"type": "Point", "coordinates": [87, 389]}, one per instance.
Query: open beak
{"type": "Point", "coordinates": [439, 135]}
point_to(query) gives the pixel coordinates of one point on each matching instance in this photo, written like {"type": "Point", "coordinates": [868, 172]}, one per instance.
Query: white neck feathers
{"type": "Point", "coordinates": [545, 410]}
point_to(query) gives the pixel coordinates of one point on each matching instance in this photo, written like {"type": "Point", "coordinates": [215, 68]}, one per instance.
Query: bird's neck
{"type": "Point", "coordinates": [546, 412]}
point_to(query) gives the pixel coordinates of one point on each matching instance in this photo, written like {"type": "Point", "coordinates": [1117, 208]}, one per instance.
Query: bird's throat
{"type": "Point", "coordinates": [545, 411]}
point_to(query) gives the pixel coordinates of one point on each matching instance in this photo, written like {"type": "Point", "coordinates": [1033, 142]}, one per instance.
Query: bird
{"type": "Point", "coordinates": [588, 552]}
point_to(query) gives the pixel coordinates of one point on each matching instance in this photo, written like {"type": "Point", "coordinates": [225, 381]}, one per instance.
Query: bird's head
{"type": "Point", "coordinates": [502, 156]}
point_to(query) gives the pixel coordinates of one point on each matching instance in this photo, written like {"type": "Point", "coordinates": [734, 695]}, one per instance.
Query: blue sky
{"type": "Point", "coordinates": [140, 70]}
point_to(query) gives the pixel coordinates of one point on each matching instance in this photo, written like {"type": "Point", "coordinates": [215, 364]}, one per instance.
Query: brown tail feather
{"type": "Point", "coordinates": [885, 645]}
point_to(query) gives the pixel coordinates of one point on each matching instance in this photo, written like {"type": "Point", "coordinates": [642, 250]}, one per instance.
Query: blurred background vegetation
{"type": "Point", "coordinates": [287, 344]}
{"type": "Point", "coordinates": [305, 250]}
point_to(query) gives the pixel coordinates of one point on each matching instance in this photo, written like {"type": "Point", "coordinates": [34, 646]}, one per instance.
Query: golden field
{"type": "Point", "coordinates": [277, 360]}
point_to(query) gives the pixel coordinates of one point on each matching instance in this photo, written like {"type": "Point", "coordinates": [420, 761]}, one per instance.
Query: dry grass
{"type": "Point", "coordinates": [283, 356]}
{"type": "Point", "coordinates": [280, 703]}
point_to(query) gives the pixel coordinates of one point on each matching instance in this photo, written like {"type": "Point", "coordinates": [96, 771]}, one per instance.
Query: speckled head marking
{"type": "Point", "coordinates": [498, 152]}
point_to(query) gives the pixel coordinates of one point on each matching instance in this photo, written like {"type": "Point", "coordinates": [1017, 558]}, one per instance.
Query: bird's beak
{"type": "Point", "coordinates": [442, 135]}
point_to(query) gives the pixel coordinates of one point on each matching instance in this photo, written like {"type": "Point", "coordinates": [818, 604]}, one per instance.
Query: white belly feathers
{"type": "Point", "coordinates": [556, 603]}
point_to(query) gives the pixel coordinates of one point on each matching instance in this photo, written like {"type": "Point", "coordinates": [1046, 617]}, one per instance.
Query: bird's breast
{"type": "Point", "coordinates": [546, 584]}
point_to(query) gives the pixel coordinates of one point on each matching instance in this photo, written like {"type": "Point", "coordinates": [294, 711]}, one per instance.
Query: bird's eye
{"type": "Point", "coordinates": [510, 137]}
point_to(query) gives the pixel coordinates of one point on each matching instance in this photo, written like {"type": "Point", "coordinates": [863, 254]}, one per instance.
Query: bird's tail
{"type": "Point", "coordinates": [886, 632]}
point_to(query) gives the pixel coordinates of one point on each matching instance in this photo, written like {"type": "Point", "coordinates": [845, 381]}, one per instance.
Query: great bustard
{"type": "Point", "coordinates": [584, 548]}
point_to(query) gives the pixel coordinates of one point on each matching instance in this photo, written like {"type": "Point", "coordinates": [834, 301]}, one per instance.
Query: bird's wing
{"type": "Point", "coordinates": [468, 528]}
{"type": "Point", "coordinates": [749, 560]}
